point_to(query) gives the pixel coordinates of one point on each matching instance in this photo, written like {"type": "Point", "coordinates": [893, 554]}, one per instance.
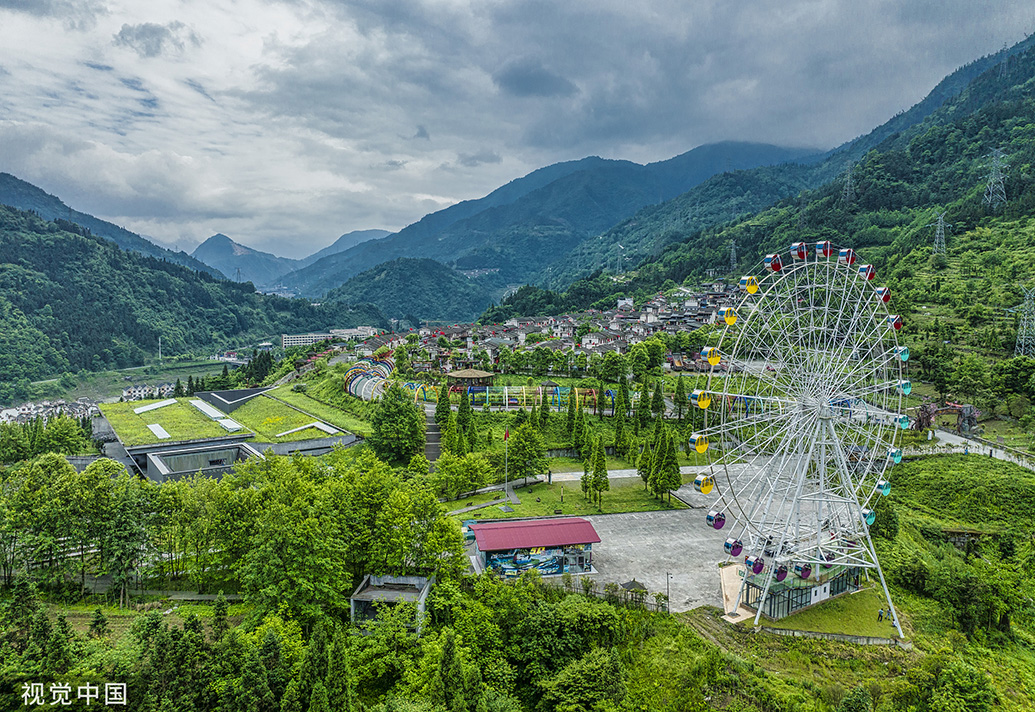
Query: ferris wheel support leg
{"type": "Point", "coordinates": [740, 595]}
{"type": "Point", "coordinates": [765, 590]}
{"type": "Point", "coordinates": [887, 594]}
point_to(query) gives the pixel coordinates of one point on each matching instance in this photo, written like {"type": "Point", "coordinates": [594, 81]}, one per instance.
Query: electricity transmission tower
{"type": "Point", "coordinates": [1026, 326]}
{"type": "Point", "coordinates": [939, 235]}
{"type": "Point", "coordinates": [995, 190]}
{"type": "Point", "coordinates": [733, 255]}
{"type": "Point", "coordinates": [848, 194]}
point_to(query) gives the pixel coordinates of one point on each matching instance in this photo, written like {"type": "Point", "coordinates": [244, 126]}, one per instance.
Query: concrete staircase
{"type": "Point", "coordinates": [433, 444]}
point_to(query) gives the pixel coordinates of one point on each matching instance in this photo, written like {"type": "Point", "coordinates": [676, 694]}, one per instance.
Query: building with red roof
{"type": "Point", "coordinates": [551, 546]}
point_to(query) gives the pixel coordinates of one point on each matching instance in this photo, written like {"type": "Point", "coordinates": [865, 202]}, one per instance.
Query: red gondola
{"type": "Point", "coordinates": [884, 293]}
{"type": "Point", "coordinates": [846, 257]}
{"type": "Point", "coordinates": [895, 321]}
{"type": "Point", "coordinates": [824, 248]}
{"type": "Point", "coordinates": [799, 250]}
{"type": "Point", "coordinates": [867, 272]}
{"type": "Point", "coordinates": [773, 262]}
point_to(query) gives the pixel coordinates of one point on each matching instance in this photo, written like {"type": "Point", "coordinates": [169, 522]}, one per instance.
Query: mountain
{"type": "Point", "coordinates": [70, 300]}
{"type": "Point", "coordinates": [25, 196]}
{"type": "Point", "coordinates": [529, 226]}
{"type": "Point", "coordinates": [729, 196]}
{"type": "Point", "coordinates": [939, 164]}
{"type": "Point", "coordinates": [240, 263]}
{"type": "Point", "coordinates": [349, 239]}
{"type": "Point", "coordinates": [416, 290]}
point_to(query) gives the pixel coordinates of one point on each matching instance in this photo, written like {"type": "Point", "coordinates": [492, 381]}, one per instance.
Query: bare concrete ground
{"type": "Point", "coordinates": [647, 545]}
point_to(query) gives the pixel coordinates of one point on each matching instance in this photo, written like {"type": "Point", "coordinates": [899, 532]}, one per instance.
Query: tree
{"type": "Point", "coordinates": [858, 700]}
{"type": "Point", "coordinates": [178, 391]}
{"type": "Point", "coordinates": [569, 425]}
{"type": "Point", "coordinates": [220, 625]}
{"type": "Point", "coordinates": [544, 413]}
{"type": "Point", "coordinates": [398, 427]}
{"type": "Point", "coordinates": [442, 409]}
{"type": "Point", "coordinates": [527, 454]}
{"type": "Point", "coordinates": [642, 417]}
{"type": "Point", "coordinates": [463, 411]}
{"type": "Point", "coordinates": [680, 397]}
{"type": "Point", "coordinates": [589, 683]}
{"type": "Point", "coordinates": [98, 624]}
{"type": "Point", "coordinates": [657, 403]}
{"type": "Point", "coordinates": [643, 466]}
{"type": "Point", "coordinates": [971, 377]}
{"type": "Point", "coordinates": [600, 480]}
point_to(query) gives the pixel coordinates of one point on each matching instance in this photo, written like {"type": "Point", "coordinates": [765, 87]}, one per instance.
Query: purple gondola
{"type": "Point", "coordinates": [781, 573]}
{"type": "Point", "coordinates": [716, 520]}
{"type": "Point", "coordinates": [755, 563]}
{"type": "Point", "coordinates": [733, 547]}
{"type": "Point", "coordinates": [803, 570]}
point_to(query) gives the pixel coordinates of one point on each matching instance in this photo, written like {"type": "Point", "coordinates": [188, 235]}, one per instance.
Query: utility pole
{"type": "Point", "coordinates": [939, 235]}
{"type": "Point", "coordinates": [995, 189]}
{"type": "Point", "coordinates": [1025, 345]}
{"type": "Point", "coordinates": [848, 194]}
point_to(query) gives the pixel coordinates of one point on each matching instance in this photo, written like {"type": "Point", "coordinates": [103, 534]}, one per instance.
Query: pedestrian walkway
{"type": "Point", "coordinates": [618, 474]}
{"type": "Point", "coordinates": [433, 437]}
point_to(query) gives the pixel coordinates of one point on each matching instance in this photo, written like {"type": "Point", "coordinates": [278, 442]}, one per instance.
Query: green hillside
{"type": "Point", "coordinates": [415, 289]}
{"type": "Point", "coordinates": [73, 301]}
{"type": "Point", "coordinates": [940, 164]}
{"type": "Point", "coordinates": [25, 196]}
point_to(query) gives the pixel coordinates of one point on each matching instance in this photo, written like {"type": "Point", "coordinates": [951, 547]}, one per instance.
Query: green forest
{"type": "Point", "coordinates": [71, 301]}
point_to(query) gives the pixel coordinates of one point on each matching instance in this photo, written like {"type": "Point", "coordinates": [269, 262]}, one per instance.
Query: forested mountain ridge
{"type": "Point", "coordinates": [70, 300]}
{"type": "Point", "coordinates": [728, 196]}
{"type": "Point", "coordinates": [939, 164]}
{"type": "Point", "coordinates": [344, 242]}
{"type": "Point", "coordinates": [25, 196]}
{"type": "Point", "coordinates": [416, 289]}
{"type": "Point", "coordinates": [529, 226]}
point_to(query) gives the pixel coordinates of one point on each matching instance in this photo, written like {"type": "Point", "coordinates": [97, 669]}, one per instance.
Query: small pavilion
{"type": "Point", "coordinates": [469, 377]}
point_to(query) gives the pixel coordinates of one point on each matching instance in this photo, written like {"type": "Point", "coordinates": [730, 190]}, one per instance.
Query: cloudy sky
{"type": "Point", "coordinates": [286, 124]}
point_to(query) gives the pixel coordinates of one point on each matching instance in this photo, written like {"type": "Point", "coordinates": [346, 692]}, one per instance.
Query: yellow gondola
{"type": "Point", "coordinates": [702, 399]}
{"type": "Point", "coordinates": [729, 315]}
{"type": "Point", "coordinates": [704, 484]}
{"type": "Point", "coordinates": [699, 442]}
{"type": "Point", "coordinates": [712, 355]}
{"type": "Point", "coordinates": [749, 284]}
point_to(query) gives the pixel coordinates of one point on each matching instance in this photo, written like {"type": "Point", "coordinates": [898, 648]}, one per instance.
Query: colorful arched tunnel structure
{"type": "Point", "coordinates": [368, 378]}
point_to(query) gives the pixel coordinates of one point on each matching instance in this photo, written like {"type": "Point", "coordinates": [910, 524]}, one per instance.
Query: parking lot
{"type": "Point", "coordinates": [647, 545]}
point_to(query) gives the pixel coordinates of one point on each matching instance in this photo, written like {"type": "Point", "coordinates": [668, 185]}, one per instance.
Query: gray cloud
{"type": "Point", "coordinates": [76, 15]}
{"type": "Point", "coordinates": [471, 160]}
{"type": "Point", "coordinates": [151, 40]}
{"type": "Point", "coordinates": [528, 77]}
{"type": "Point", "coordinates": [301, 123]}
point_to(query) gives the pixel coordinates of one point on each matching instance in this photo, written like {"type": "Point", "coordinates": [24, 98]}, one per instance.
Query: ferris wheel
{"type": "Point", "coordinates": [802, 413]}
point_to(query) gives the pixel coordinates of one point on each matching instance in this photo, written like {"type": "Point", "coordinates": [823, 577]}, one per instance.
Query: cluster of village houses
{"type": "Point", "coordinates": [611, 330]}
{"type": "Point", "coordinates": [81, 408]}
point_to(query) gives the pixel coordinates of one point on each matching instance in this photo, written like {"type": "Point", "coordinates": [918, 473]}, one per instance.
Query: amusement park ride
{"type": "Point", "coordinates": [801, 427]}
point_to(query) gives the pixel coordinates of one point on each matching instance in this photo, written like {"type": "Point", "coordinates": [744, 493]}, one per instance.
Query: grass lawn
{"type": "Point", "coordinates": [625, 495]}
{"type": "Point", "coordinates": [332, 415]}
{"type": "Point", "coordinates": [851, 614]}
{"type": "Point", "coordinates": [268, 417]}
{"type": "Point", "coordinates": [181, 420]}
